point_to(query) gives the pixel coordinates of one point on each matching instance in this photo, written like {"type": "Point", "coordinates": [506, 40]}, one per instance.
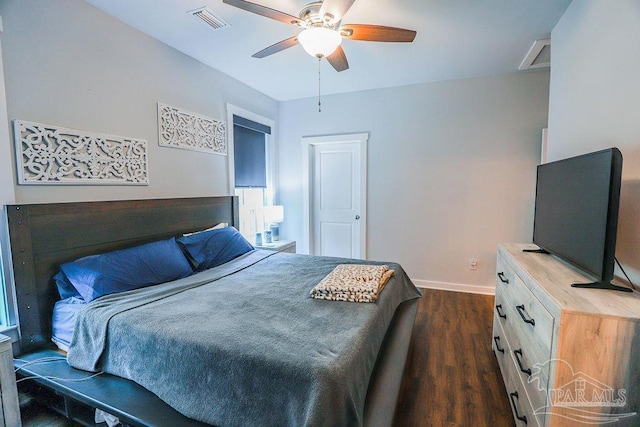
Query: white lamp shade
{"type": "Point", "coordinates": [274, 214]}
{"type": "Point", "coordinates": [319, 41]}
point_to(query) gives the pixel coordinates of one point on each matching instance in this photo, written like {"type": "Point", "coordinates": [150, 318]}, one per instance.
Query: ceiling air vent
{"type": "Point", "coordinates": [539, 56]}
{"type": "Point", "coordinates": [206, 16]}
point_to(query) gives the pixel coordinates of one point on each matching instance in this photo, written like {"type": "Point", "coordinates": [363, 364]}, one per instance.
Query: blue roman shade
{"type": "Point", "coordinates": [250, 153]}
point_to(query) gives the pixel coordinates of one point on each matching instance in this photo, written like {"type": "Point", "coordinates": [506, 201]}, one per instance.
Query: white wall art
{"type": "Point", "coordinates": [49, 154]}
{"type": "Point", "coordinates": [191, 131]}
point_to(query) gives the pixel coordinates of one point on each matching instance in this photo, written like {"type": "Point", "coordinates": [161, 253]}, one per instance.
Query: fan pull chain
{"type": "Point", "coordinates": [319, 104]}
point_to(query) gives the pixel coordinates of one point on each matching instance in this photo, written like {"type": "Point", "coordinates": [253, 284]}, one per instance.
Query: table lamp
{"type": "Point", "coordinates": [274, 215]}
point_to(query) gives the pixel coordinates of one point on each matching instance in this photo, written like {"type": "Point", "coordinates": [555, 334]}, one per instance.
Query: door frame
{"type": "Point", "coordinates": [308, 143]}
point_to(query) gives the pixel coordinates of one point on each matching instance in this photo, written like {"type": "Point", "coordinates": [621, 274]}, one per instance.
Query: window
{"type": "Point", "coordinates": [251, 173]}
{"type": "Point", "coordinates": [4, 315]}
{"type": "Point", "coordinates": [8, 317]}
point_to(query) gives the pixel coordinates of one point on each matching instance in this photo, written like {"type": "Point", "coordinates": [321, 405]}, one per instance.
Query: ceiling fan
{"type": "Point", "coordinates": [323, 31]}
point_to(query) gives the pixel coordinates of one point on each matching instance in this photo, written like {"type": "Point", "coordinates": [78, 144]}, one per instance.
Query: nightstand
{"type": "Point", "coordinates": [9, 406]}
{"type": "Point", "coordinates": [279, 246]}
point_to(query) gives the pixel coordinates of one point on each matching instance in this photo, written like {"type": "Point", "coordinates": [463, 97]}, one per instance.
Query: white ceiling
{"type": "Point", "coordinates": [456, 39]}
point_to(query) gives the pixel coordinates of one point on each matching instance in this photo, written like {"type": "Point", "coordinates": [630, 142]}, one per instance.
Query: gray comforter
{"type": "Point", "coordinates": [244, 344]}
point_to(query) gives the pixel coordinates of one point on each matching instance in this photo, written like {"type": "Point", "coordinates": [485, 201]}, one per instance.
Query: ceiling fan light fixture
{"type": "Point", "coordinates": [319, 41]}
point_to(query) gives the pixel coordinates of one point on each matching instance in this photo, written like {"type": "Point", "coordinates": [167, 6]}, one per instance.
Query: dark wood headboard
{"type": "Point", "coordinates": [43, 236]}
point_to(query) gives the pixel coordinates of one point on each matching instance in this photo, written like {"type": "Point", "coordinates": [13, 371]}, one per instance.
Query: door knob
{"type": "Point", "coordinates": [357, 217]}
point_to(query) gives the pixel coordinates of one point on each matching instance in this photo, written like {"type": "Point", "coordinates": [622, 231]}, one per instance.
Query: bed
{"type": "Point", "coordinates": [44, 236]}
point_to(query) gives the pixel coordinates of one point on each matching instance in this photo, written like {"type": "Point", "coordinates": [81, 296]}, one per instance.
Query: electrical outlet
{"type": "Point", "coordinates": [473, 264]}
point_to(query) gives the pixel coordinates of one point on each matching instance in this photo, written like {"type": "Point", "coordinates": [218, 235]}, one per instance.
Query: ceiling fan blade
{"type": "Point", "coordinates": [376, 33]}
{"type": "Point", "coordinates": [264, 11]}
{"type": "Point", "coordinates": [275, 48]}
{"type": "Point", "coordinates": [336, 8]}
{"type": "Point", "coordinates": [338, 59]}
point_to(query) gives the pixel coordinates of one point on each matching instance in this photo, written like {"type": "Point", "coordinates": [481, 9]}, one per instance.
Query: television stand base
{"type": "Point", "coordinates": [601, 285]}
{"type": "Point", "coordinates": [536, 251]}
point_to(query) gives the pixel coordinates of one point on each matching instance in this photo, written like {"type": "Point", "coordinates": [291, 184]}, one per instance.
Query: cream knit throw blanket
{"type": "Point", "coordinates": [353, 282]}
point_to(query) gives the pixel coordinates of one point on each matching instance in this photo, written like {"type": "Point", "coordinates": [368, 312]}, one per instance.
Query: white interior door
{"type": "Point", "coordinates": [337, 196]}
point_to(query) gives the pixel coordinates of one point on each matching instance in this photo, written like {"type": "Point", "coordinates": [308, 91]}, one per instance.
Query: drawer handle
{"type": "Point", "coordinates": [497, 341]}
{"type": "Point", "coordinates": [502, 278]}
{"type": "Point", "coordinates": [518, 354]}
{"type": "Point", "coordinates": [515, 407]}
{"type": "Point", "coordinates": [520, 309]}
{"type": "Point", "coordinates": [499, 310]}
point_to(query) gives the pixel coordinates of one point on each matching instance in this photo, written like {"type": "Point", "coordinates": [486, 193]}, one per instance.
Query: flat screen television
{"type": "Point", "coordinates": [576, 213]}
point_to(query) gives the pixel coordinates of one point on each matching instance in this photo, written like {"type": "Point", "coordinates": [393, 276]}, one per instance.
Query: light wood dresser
{"type": "Point", "coordinates": [568, 356]}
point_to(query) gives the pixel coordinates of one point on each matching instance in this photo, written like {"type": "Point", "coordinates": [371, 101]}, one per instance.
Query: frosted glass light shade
{"type": "Point", "coordinates": [319, 41]}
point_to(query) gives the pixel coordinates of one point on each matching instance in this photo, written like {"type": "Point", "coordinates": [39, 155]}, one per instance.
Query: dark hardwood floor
{"type": "Point", "coordinates": [452, 377]}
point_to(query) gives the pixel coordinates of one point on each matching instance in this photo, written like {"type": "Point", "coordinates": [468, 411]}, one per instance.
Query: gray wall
{"type": "Point", "coordinates": [451, 165]}
{"type": "Point", "coordinates": [68, 64]}
{"type": "Point", "coordinates": [451, 169]}
{"type": "Point", "coordinates": [595, 100]}
{"type": "Point", "coordinates": [7, 193]}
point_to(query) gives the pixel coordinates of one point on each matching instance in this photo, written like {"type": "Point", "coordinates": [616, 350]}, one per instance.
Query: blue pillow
{"type": "Point", "coordinates": [211, 248]}
{"type": "Point", "coordinates": [127, 269]}
{"type": "Point", "coordinates": [65, 288]}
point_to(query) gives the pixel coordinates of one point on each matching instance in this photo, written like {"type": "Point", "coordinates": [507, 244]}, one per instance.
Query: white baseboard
{"type": "Point", "coordinates": [455, 287]}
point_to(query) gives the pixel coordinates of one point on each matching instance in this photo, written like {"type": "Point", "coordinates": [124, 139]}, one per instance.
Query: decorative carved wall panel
{"type": "Point", "coordinates": [191, 131]}
{"type": "Point", "coordinates": [55, 155]}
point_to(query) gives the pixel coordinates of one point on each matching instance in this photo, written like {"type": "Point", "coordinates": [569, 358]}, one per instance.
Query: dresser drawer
{"type": "Point", "coordinates": [500, 347]}
{"type": "Point", "coordinates": [500, 309]}
{"type": "Point", "coordinates": [528, 327]}
{"type": "Point", "coordinates": [504, 275]}
{"type": "Point", "coordinates": [533, 374]}
{"type": "Point", "coordinates": [521, 406]}
{"type": "Point", "coordinates": [526, 321]}
{"type": "Point", "coordinates": [517, 391]}
{"type": "Point", "coordinates": [529, 321]}
{"type": "Point", "coordinates": [516, 359]}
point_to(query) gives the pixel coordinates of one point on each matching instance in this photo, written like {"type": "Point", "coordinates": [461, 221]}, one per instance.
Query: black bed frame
{"type": "Point", "coordinates": [43, 236]}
